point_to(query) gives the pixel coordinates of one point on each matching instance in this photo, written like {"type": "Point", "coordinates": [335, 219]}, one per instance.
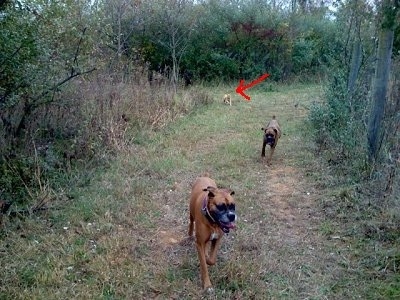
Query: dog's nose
{"type": "Point", "coordinates": [231, 217]}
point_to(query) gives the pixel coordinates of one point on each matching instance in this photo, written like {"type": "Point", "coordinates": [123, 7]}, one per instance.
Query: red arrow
{"type": "Point", "coordinates": [241, 87]}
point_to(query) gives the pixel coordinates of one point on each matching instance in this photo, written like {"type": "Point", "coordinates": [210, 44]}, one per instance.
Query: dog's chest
{"type": "Point", "coordinates": [214, 235]}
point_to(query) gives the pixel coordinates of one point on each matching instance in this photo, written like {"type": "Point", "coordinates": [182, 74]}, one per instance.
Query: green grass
{"type": "Point", "coordinates": [124, 236]}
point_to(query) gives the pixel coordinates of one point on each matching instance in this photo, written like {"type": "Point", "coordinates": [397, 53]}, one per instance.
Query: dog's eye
{"type": "Point", "coordinates": [221, 207]}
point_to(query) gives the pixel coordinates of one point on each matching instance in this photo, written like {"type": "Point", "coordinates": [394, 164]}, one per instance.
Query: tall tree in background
{"type": "Point", "coordinates": [170, 27]}
{"type": "Point", "coordinates": [356, 52]}
{"type": "Point", "coordinates": [361, 47]}
{"type": "Point", "coordinates": [43, 45]}
{"type": "Point", "coordinates": [388, 14]}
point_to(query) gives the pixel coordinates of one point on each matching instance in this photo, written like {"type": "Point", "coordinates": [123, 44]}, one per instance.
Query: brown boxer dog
{"type": "Point", "coordinates": [272, 133]}
{"type": "Point", "coordinates": [227, 99]}
{"type": "Point", "coordinates": [213, 211]}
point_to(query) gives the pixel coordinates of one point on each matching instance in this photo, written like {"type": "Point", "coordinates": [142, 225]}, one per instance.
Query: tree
{"type": "Point", "coordinates": [41, 45]}
{"type": "Point", "coordinates": [356, 52]}
{"type": "Point", "coordinates": [176, 19]}
{"type": "Point", "coordinates": [388, 13]}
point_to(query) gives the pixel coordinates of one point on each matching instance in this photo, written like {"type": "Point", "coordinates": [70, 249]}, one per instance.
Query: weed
{"type": "Point", "coordinates": [123, 232]}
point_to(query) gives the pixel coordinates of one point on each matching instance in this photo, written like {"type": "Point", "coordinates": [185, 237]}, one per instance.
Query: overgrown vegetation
{"type": "Point", "coordinates": [341, 123]}
{"type": "Point", "coordinates": [81, 79]}
{"type": "Point", "coordinates": [365, 198]}
{"type": "Point", "coordinates": [93, 120]}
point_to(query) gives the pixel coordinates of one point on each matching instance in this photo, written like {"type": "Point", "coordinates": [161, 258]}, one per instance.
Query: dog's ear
{"type": "Point", "coordinates": [211, 191]}
{"type": "Point", "coordinates": [228, 191]}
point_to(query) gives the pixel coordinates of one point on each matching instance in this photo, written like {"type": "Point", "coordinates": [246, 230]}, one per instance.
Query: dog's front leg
{"type": "Point", "coordinates": [271, 153]}
{"type": "Point", "coordinates": [191, 225]}
{"type": "Point", "coordinates": [263, 148]}
{"type": "Point", "coordinates": [215, 244]}
{"type": "Point", "coordinates": [201, 250]}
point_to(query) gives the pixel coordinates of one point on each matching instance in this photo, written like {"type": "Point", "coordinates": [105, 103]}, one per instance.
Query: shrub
{"type": "Point", "coordinates": [94, 117]}
{"type": "Point", "coordinates": [340, 131]}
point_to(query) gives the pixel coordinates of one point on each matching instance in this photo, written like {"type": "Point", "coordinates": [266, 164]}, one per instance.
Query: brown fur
{"type": "Point", "coordinates": [272, 133]}
{"type": "Point", "coordinates": [207, 232]}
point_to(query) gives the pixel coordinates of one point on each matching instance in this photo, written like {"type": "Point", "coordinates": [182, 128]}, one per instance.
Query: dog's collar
{"type": "Point", "coordinates": [210, 219]}
{"type": "Point", "coordinates": [205, 210]}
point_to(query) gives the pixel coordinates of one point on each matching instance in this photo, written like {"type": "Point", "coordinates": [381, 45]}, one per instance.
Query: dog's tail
{"type": "Point", "coordinates": [206, 174]}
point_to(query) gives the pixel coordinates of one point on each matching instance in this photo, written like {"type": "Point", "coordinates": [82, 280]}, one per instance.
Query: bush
{"type": "Point", "coordinates": [93, 118]}
{"type": "Point", "coordinates": [339, 131]}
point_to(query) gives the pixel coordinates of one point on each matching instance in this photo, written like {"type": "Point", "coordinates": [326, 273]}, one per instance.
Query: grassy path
{"type": "Point", "coordinates": [276, 251]}
{"type": "Point", "coordinates": [125, 236]}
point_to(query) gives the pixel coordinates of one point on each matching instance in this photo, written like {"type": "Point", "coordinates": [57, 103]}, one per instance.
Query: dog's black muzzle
{"type": "Point", "coordinates": [269, 139]}
{"type": "Point", "coordinates": [226, 219]}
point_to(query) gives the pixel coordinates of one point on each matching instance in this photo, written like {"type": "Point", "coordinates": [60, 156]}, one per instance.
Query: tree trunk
{"type": "Point", "coordinates": [355, 65]}
{"type": "Point", "coordinates": [175, 64]}
{"type": "Point", "coordinates": [379, 89]}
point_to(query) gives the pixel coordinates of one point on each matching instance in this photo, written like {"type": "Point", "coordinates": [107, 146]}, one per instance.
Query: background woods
{"type": "Point", "coordinates": [75, 76]}
{"type": "Point", "coordinates": [71, 72]}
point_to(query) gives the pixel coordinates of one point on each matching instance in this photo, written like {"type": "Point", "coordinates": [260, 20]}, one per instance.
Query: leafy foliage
{"type": "Point", "coordinates": [339, 130]}
{"type": "Point", "coordinates": [47, 47]}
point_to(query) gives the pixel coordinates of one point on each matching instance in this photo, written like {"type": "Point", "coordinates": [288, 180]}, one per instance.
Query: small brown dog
{"type": "Point", "coordinates": [213, 211]}
{"type": "Point", "coordinates": [227, 99]}
{"type": "Point", "coordinates": [272, 133]}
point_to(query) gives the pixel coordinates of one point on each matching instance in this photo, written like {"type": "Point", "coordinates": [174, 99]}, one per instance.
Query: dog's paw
{"type": "Point", "coordinates": [209, 290]}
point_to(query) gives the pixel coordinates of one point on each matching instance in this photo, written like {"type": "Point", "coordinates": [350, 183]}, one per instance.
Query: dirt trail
{"type": "Point", "coordinates": [277, 243]}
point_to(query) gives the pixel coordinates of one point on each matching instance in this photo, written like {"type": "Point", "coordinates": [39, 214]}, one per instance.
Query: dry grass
{"type": "Point", "coordinates": [125, 235]}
